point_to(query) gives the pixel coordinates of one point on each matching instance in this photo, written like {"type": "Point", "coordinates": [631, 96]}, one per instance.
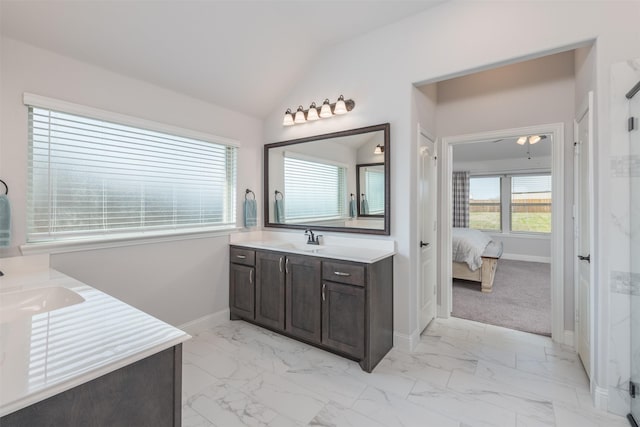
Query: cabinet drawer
{"type": "Point", "coordinates": [243, 256]}
{"type": "Point", "coordinates": [352, 274]}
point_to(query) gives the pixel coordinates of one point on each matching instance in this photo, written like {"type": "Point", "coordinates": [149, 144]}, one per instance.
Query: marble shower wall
{"type": "Point", "coordinates": [623, 273]}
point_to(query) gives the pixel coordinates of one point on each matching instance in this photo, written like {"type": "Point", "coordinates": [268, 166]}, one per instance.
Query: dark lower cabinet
{"type": "Point", "coordinates": [242, 290]}
{"type": "Point", "coordinates": [270, 289]}
{"type": "Point", "coordinates": [341, 306]}
{"type": "Point", "coordinates": [343, 318]}
{"type": "Point", "coordinates": [303, 282]}
{"type": "Point", "coordinates": [146, 393]}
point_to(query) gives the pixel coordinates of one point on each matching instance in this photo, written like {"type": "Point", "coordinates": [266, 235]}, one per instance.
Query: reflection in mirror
{"type": "Point", "coordinates": [319, 181]}
{"type": "Point", "coordinates": [370, 183]}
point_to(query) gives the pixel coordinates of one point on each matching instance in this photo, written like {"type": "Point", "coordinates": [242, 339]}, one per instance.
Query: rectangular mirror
{"type": "Point", "coordinates": [333, 182]}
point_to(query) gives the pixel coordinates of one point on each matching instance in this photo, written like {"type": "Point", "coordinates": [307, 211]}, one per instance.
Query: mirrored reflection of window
{"type": "Point", "coordinates": [374, 189]}
{"type": "Point", "coordinates": [313, 190]}
{"type": "Point", "coordinates": [531, 203]}
{"type": "Point", "coordinates": [484, 203]}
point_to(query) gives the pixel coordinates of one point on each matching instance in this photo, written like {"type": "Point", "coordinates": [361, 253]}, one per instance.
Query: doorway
{"type": "Point", "coordinates": [556, 133]}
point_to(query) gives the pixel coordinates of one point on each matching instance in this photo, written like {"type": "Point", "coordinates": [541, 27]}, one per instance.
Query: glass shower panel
{"type": "Point", "coordinates": [634, 177]}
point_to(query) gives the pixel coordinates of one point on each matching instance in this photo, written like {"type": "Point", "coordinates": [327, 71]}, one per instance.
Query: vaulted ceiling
{"type": "Point", "coordinates": [242, 55]}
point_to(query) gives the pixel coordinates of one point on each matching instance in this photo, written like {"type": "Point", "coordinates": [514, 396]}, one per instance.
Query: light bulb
{"type": "Point", "coordinates": [300, 115]}
{"type": "Point", "coordinates": [288, 118]}
{"type": "Point", "coordinates": [534, 139]}
{"type": "Point", "coordinates": [522, 140]}
{"type": "Point", "coordinates": [325, 111]}
{"type": "Point", "coordinates": [379, 149]}
{"type": "Point", "coordinates": [312, 114]}
{"type": "Point", "coordinates": [340, 107]}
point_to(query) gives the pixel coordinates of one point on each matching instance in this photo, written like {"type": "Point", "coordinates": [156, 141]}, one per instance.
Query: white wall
{"type": "Point", "coordinates": [378, 69]}
{"type": "Point", "coordinates": [174, 281]}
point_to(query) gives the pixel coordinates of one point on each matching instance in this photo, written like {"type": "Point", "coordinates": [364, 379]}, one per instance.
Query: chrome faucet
{"type": "Point", "coordinates": [311, 238]}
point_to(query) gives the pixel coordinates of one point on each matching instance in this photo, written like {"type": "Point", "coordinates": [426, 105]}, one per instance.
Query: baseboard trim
{"type": "Point", "coordinates": [600, 398]}
{"type": "Point", "coordinates": [569, 339]}
{"type": "Point", "coordinates": [405, 342]}
{"type": "Point", "coordinates": [530, 258]}
{"type": "Point", "coordinates": [205, 322]}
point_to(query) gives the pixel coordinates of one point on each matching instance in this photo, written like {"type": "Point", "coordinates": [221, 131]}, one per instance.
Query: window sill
{"type": "Point", "coordinates": [132, 239]}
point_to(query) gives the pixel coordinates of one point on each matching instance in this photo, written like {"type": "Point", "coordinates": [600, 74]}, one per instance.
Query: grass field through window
{"type": "Point", "coordinates": [535, 222]}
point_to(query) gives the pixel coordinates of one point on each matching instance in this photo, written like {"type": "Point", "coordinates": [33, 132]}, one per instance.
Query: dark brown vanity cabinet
{"type": "Point", "coordinates": [242, 289]}
{"type": "Point", "coordinates": [270, 289]}
{"type": "Point", "coordinates": [341, 306]}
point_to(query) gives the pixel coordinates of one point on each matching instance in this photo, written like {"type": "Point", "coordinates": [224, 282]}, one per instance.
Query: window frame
{"type": "Point", "coordinates": [506, 219]}
{"type": "Point", "coordinates": [550, 204]}
{"type": "Point", "coordinates": [133, 236]}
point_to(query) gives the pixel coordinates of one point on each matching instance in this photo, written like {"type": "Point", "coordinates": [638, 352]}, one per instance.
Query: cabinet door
{"type": "Point", "coordinates": [303, 284]}
{"type": "Point", "coordinates": [270, 289]}
{"type": "Point", "coordinates": [343, 318]}
{"type": "Point", "coordinates": [242, 295]}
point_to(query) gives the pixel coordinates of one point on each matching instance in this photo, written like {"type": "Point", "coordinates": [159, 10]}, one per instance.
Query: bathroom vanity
{"type": "Point", "coordinates": [336, 298]}
{"type": "Point", "coordinates": [74, 356]}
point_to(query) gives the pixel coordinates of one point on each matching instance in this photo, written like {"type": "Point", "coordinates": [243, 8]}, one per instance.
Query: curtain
{"type": "Point", "coordinates": [460, 199]}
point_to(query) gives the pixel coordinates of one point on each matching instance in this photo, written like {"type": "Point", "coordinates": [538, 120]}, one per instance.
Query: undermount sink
{"type": "Point", "coordinates": [291, 246]}
{"type": "Point", "coordinates": [26, 303]}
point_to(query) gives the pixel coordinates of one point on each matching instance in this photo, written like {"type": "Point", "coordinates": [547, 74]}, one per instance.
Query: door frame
{"type": "Point", "coordinates": [423, 132]}
{"type": "Point", "coordinates": [587, 107]}
{"type": "Point", "coordinates": [557, 217]}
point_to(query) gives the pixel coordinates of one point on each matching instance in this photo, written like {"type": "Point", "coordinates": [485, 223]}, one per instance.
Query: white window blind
{"type": "Point", "coordinates": [313, 189]}
{"type": "Point", "coordinates": [531, 203]}
{"type": "Point", "coordinates": [89, 177]}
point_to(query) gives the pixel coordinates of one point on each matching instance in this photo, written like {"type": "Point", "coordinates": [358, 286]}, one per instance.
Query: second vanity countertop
{"type": "Point", "coordinates": [345, 253]}
{"type": "Point", "coordinates": [50, 352]}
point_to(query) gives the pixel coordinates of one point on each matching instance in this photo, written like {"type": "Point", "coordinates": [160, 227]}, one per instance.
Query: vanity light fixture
{"type": "Point", "coordinates": [379, 149]}
{"type": "Point", "coordinates": [325, 111]}
{"type": "Point", "coordinates": [312, 114]}
{"type": "Point", "coordinates": [341, 106]}
{"type": "Point", "coordinates": [288, 118]}
{"type": "Point", "coordinates": [299, 116]}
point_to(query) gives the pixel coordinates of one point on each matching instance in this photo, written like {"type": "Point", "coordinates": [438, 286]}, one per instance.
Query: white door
{"type": "Point", "coordinates": [583, 130]}
{"type": "Point", "coordinates": [427, 208]}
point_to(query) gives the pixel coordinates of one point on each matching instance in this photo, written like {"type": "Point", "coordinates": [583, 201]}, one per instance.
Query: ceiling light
{"type": "Point", "coordinates": [534, 139]}
{"type": "Point", "coordinates": [312, 114]}
{"type": "Point", "coordinates": [300, 115]}
{"type": "Point", "coordinates": [522, 140]}
{"type": "Point", "coordinates": [325, 111]}
{"type": "Point", "coordinates": [379, 149]}
{"type": "Point", "coordinates": [288, 118]}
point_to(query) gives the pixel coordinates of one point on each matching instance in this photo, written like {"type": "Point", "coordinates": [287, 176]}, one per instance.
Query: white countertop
{"type": "Point", "coordinates": [50, 352]}
{"type": "Point", "coordinates": [366, 255]}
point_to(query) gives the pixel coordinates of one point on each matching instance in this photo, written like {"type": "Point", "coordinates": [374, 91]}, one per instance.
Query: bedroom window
{"type": "Point", "coordinates": [313, 190]}
{"type": "Point", "coordinates": [531, 203]}
{"type": "Point", "coordinates": [89, 178]}
{"type": "Point", "coordinates": [485, 203]}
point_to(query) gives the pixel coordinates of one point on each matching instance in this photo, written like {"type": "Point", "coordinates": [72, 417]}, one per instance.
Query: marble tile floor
{"type": "Point", "coordinates": [462, 374]}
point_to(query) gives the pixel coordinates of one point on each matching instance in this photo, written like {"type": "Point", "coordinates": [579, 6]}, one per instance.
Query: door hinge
{"type": "Point", "coordinates": [632, 389]}
{"type": "Point", "coordinates": [631, 124]}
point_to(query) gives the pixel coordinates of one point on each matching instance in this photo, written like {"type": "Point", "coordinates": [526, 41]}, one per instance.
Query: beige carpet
{"type": "Point", "coordinates": [521, 298]}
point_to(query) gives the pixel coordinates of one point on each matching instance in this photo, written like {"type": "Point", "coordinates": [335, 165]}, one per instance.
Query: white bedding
{"type": "Point", "coordinates": [468, 245]}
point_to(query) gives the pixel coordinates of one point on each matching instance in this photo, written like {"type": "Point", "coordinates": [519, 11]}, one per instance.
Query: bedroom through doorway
{"type": "Point", "coordinates": [501, 232]}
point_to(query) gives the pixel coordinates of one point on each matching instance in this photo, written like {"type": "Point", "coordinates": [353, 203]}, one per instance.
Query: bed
{"type": "Point", "coordinates": [475, 257]}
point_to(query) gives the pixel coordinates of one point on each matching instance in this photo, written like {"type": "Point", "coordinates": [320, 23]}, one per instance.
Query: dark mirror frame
{"type": "Point", "coordinates": [385, 127]}
{"type": "Point", "coordinates": [359, 190]}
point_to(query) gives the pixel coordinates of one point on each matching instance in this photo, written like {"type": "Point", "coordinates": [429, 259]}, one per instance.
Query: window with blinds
{"type": "Point", "coordinates": [313, 190]}
{"type": "Point", "coordinates": [531, 203]}
{"type": "Point", "coordinates": [374, 183]}
{"type": "Point", "coordinates": [89, 177]}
